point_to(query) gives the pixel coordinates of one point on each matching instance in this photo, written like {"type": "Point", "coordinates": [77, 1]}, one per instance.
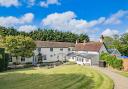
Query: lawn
{"type": "Point", "coordinates": [61, 77]}
{"type": "Point", "coordinates": [123, 73]}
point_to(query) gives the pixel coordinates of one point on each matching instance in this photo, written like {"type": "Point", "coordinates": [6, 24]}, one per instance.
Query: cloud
{"type": "Point", "coordinates": [67, 22]}
{"type": "Point", "coordinates": [31, 3]}
{"type": "Point", "coordinates": [116, 18]}
{"type": "Point", "coordinates": [126, 30]}
{"type": "Point", "coordinates": [27, 28]}
{"type": "Point", "coordinates": [8, 3]}
{"type": "Point", "coordinates": [49, 2]}
{"type": "Point", "coordinates": [110, 32]}
{"type": "Point", "coordinates": [11, 20]}
{"type": "Point", "coordinates": [27, 18]}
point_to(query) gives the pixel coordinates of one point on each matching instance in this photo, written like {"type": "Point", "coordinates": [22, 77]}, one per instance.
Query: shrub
{"type": "Point", "coordinates": [112, 61]}
{"type": "Point", "coordinates": [3, 60]}
{"type": "Point", "coordinates": [6, 61]}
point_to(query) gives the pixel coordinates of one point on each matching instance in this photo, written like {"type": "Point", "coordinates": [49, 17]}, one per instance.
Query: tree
{"type": "Point", "coordinates": [46, 35]}
{"type": "Point", "coordinates": [19, 46]}
{"type": "Point", "coordinates": [83, 37]}
{"type": "Point", "coordinates": [124, 44]}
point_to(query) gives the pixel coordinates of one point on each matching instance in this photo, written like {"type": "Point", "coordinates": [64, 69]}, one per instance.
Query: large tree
{"type": "Point", "coordinates": [19, 45]}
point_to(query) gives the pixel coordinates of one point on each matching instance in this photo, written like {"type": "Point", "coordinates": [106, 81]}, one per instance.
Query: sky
{"type": "Point", "coordinates": [94, 17]}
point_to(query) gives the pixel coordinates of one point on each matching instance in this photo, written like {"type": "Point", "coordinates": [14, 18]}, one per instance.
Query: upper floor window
{"type": "Point", "coordinates": [61, 49]}
{"type": "Point", "coordinates": [51, 49]}
{"type": "Point", "coordinates": [39, 49]}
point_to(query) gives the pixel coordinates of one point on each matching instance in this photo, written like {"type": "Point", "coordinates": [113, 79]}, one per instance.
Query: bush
{"type": "Point", "coordinates": [6, 61]}
{"type": "Point", "coordinates": [112, 61]}
{"type": "Point", "coordinates": [28, 65]}
{"type": "Point", "coordinates": [117, 64]}
{"type": "Point", "coordinates": [15, 63]}
{"type": "Point", "coordinates": [3, 60]}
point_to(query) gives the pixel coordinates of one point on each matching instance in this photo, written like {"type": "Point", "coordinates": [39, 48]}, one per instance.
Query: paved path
{"type": "Point", "coordinates": [120, 81]}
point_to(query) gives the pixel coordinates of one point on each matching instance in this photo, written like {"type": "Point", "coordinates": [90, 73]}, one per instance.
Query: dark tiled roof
{"type": "Point", "coordinates": [90, 46]}
{"type": "Point", "coordinates": [50, 44]}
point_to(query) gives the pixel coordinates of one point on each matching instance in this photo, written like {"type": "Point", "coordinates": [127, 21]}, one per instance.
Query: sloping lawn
{"type": "Point", "coordinates": [62, 77]}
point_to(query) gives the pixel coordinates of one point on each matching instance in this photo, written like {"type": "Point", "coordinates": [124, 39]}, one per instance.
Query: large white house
{"type": "Point", "coordinates": [47, 51]}
{"type": "Point", "coordinates": [81, 53]}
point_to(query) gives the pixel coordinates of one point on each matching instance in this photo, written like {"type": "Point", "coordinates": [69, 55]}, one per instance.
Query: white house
{"type": "Point", "coordinates": [47, 51]}
{"type": "Point", "coordinates": [86, 53]}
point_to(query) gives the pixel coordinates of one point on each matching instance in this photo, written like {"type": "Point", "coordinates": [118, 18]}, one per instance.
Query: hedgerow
{"type": "Point", "coordinates": [112, 61]}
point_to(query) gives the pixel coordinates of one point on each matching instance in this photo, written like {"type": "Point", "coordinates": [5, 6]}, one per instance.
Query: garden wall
{"type": "Point", "coordinates": [125, 64]}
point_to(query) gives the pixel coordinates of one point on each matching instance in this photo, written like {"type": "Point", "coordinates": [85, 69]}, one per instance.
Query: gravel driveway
{"type": "Point", "coordinates": [120, 81]}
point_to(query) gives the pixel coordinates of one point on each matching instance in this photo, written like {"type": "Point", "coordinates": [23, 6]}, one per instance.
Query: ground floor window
{"type": "Point", "coordinates": [22, 59]}
{"type": "Point", "coordinates": [10, 58]}
{"type": "Point", "coordinates": [44, 57]}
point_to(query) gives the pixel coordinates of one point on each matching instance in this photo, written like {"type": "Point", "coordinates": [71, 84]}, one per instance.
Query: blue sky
{"type": "Point", "coordinates": [94, 17]}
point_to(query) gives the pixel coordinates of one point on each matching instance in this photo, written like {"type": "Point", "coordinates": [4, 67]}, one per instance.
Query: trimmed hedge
{"type": "Point", "coordinates": [112, 61]}
{"type": "Point", "coordinates": [3, 60]}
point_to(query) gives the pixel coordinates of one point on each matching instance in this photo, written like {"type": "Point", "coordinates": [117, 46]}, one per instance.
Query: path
{"type": "Point", "coordinates": [120, 81]}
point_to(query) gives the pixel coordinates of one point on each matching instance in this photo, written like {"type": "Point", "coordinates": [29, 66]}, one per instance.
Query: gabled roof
{"type": "Point", "coordinates": [114, 52]}
{"type": "Point", "coordinates": [90, 46]}
{"type": "Point", "coordinates": [50, 44]}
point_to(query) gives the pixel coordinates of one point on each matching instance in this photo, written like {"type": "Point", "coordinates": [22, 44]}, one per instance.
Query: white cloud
{"type": "Point", "coordinates": [31, 3]}
{"type": "Point", "coordinates": [110, 32]}
{"type": "Point", "coordinates": [11, 20]}
{"type": "Point", "coordinates": [116, 18]}
{"type": "Point", "coordinates": [49, 2]}
{"type": "Point", "coordinates": [27, 28]}
{"type": "Point", "coordinates": [8, 3]}
{"type": "Point", "coordinates": [27, 18]}
{"type": "Point", "coordinates": [67, 21]}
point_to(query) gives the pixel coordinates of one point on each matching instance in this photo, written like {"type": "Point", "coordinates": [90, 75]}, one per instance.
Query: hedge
{"type": "Point", "coordinates": [112, 61]}
{"type": "Point", "coordinates": [3, 60]}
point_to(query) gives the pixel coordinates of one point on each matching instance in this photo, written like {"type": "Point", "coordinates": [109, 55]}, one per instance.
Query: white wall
{"type": "Point", "coordinates": [51, 56]}
{"type": "Point", "coordinates": [54, 55]}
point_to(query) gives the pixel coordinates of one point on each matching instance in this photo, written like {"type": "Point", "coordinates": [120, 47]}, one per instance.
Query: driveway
{"type": "Point", "coordinates": [120, 81]}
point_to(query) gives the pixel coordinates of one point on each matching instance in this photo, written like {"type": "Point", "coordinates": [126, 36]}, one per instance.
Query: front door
{"type": "Point", "coordinates": [40, 59]}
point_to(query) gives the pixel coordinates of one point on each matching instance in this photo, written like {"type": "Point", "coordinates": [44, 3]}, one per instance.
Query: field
{"type": "Point", "coordinates": [61, 77]}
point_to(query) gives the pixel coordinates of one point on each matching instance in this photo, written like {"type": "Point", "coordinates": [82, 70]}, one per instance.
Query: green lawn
{"type": "Point", "coordinates": [123, 73]}
{"type": "Point", "coordinates": [62, 77]}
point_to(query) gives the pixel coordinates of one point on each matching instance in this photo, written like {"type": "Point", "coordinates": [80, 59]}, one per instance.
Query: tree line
{"type": "Point", "coordinates": [46, 35]}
